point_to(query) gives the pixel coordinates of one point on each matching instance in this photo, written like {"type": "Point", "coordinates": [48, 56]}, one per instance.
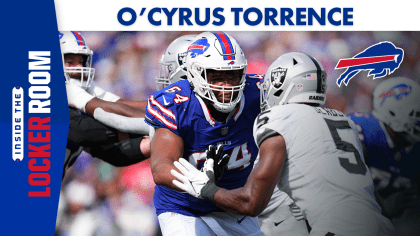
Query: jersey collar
{"type": "Point", "coordinates": [235, 113]}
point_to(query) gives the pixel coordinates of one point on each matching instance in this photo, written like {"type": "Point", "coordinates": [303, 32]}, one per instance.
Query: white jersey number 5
{"type": "Point", "coordinates": [359, 167]}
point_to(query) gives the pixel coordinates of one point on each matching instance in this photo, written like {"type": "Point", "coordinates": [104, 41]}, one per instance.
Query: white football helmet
{"type": "Point", "coordinates": [396, 102]}
{"type": "Point", "coordinates": [172, 68]}
{"type": "Point", "coordinates": [72, 42]}
{"type": "Point", "coordinates": [215, 51]}
{"type": "Point", "coordinates": [294, 78]}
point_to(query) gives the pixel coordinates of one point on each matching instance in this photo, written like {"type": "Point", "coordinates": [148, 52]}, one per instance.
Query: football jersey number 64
{"type": "Point", "coordinates": [240, 158]}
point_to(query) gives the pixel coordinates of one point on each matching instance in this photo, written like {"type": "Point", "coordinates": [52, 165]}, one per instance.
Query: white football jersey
{"type": "Point", "coordinates": [324, 172]}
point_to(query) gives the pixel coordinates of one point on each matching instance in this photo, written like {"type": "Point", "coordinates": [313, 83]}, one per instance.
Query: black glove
{"type": "Point", "coordinates": [220, 162]}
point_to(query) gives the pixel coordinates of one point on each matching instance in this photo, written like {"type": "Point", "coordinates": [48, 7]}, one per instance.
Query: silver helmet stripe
{"type": "Point", "coordinates": [318, 74]}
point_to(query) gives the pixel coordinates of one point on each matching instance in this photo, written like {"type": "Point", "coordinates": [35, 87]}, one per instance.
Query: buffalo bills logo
{"type": "Point", "coordinates": [379, 59]}
{"type": "Point", "coordinates": [231, 63]}
{"type": "Point", "coordinates": [398, 92]}
{"type": "Point", "coordinates": [198, 47]}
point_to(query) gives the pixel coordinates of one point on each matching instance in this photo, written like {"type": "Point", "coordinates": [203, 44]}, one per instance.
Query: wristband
{"type": "Point", "coordinates": [210, 189]}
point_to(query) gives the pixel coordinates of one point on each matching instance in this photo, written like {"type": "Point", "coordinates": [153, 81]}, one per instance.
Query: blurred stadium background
{"type": "Point", "coordinates": [99, 199]}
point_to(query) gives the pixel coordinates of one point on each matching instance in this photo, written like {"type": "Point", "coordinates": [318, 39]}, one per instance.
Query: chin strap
{"type": "Point", "coordinates": [289, 89]}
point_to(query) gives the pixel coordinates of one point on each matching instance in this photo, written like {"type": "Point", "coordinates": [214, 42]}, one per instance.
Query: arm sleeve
{"type": "Point", "coordinates": [86, 131]}
{"type": "Point", "coordinates": [120, 154]}
{"type": "Point", "coordinates": [122, 123]}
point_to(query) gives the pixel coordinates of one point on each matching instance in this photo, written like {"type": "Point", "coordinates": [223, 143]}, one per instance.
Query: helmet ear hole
{"type": "Point", "coordinates": [392, 113]}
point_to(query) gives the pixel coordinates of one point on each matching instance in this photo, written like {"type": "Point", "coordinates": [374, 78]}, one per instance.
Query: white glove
{"type": "Point", "coordinates": [101, 93]}
{"type": "Point", "coordinates": [192, 180]}
{"type": "Point", "coordinates": [77, 97]}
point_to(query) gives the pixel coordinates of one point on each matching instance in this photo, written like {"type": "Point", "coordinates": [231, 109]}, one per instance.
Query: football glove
{"type": "Point", "coordinates": [200, 184]}
{"type": "Point", "coordinates": [191, 180]}
{"type": "Point", "coordinates": [77, 97]}
{"type": "Point", "coordinates": [220, 162]}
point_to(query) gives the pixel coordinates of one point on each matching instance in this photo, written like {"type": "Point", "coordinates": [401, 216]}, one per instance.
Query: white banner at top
{"type": "Point", "coordinates": [262, 15]}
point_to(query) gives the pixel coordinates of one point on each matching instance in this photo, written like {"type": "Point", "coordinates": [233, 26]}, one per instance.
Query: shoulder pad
{"type": "Point", "coordinates": [254, 80]}
{"type": "Point", "coordinates": [359, 115]}
{"type": "Point", "coordinates": [362, 121]}
{"type": "Point", "coordinates": [166, 105]}
{"type": "Point", "coordinates": [261, 133]}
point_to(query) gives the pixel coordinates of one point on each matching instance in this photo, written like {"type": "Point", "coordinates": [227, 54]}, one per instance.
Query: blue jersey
{"type": "Point", "coordinates": [178, 109]}
{"type": "Point", "coordinates": [393, 169]}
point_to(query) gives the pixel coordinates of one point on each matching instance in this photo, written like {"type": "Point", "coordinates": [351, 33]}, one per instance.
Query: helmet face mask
{"type": "Point", "coordinates": [294, 78]}
{"type": "Point", "coordinates": [396, 104]}
{"type": "Point", "coordinates": [73, 44]}
{"type": "Point", "coordinates": [226, 95]}
{"type": "Point", "coordinates": [216, 52]}
{"type": "Point", "coordinates": [172, 68]}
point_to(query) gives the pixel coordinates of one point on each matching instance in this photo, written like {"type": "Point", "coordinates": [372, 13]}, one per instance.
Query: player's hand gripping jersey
{"type": "Point", "coordinates": [393, 169]}
{"type": "Point", "coordinates": [325, 160]}
{"type": "Point", "coordinates": [178, 109]}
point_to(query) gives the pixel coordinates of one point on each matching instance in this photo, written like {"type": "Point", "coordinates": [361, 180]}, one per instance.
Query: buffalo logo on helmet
{"type": "Point", "coordinates": [277, 76]}
{"type": "Point", "coordinates": [397, 91]}
{"type": "Point", "coordinates": [198, 47]}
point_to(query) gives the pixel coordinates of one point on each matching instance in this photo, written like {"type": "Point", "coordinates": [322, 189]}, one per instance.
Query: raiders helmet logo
{"type": "Point", "coordinates": [277, 77]}
{"type": "Point", "coordinates": [181, 58]}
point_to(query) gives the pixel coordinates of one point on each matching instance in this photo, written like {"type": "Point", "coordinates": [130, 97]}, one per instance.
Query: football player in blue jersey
{"type": "Point", "coordinates": [172, 69]}
{"type": "Point", "coordinates": [102, 137]}
{"type": "Point", "coordinates": [216, 105]}
{"type": "Point", "coordinates": [390, 137]}
{"type": "Point", "coordinates": [311, 153]}
{"type": "Point", "coordinates": [103, 141]}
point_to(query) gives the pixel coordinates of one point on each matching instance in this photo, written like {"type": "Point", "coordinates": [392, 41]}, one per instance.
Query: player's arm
{"type": "Point", "coordinates": [136, 104]}
{"type": "Point", "coordinates": [104, 142]}
{"type": "Point", "coordinates": [123, 153]}
{"type": "Point", "coordinates": [110, 97]}
{"type": "Point", "coordinates": [80, 99]}
{"type": "Point", "coordinates": [253, 198]}
{"type": "Point", "coordinates": [166, 147]}
{"type": "Point", "coordinates": [134, 125]}
{"type": "Point", "coordinates": [113, 107]}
